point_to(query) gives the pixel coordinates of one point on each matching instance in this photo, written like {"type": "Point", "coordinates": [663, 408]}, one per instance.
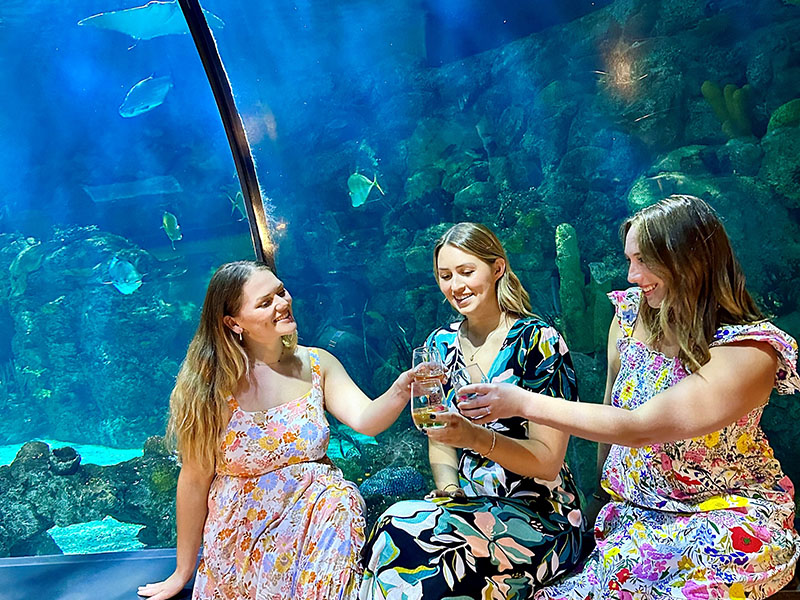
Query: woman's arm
{"type": "Point", "coordinates": [345, 401]}
{"type": "Point", "coordinates": [548, 366]}
{"type": "Point", "coordinates": [524, 457]}
{"type": "Point", "coordinates": [444, 466]}
{"type": "Point", "coordinates": [191, 511]}
{"type": "Point", "coordinates": [737, 379]}
{"type": "Point", "coordinates": [615, 333]}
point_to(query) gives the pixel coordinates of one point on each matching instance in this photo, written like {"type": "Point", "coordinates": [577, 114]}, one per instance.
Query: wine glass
{"type": "Point", "coordinates": [427, 400]}
{"type": "Point", "coordinates": [465, 376]}
{"type": "Point", "coordinates": [427, 364]}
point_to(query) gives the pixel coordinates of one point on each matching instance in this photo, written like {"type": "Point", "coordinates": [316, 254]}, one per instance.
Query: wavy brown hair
{"type": "Point", "coordinates": [215, 363]}
{"type": "Point", "coordinates": [480, 241]}
{"type": "Point", "coordinates": [682, 240]}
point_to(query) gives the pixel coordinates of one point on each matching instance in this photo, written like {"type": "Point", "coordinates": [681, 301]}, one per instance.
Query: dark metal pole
{"type": "Point", "coordinates": [234, 129]}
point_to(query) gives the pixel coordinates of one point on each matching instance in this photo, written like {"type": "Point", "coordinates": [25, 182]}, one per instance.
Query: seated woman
{"type": "Point", "coordinates": [506, 517]}
{"type": "Point", "coordinates": [699, 506]}
{"type": "Point", "coordinates": [248, 412]}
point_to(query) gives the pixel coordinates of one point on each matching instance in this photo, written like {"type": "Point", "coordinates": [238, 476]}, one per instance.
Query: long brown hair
{"type": "Point", "coordinates": [682, 240]}
{"type": "Point", "coordinates": [480, 241]}
{"type": "Point", "coordinates": [214, 364]}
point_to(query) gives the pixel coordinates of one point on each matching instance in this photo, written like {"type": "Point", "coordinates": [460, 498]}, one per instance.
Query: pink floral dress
{"type": "Point", "coordinates": [709, 517]}
{"type": "Point", "coordinates": [282, 521]}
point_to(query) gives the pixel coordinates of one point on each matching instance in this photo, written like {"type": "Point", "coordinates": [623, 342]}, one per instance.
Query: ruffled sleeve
{"type": "Point", "coordinates": [626, 307]}
{"type": "Point", "coordinates": [787, 380]}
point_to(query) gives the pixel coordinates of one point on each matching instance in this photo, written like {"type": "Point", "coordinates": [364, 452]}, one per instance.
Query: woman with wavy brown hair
{"type": "Point", "coordinates": [698, 506]}
{"type": "Point", "coordinates": [275, 517]}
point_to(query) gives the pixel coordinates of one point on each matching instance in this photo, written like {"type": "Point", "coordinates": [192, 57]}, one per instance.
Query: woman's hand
{"type": "Point", "coordinates": [162, 590]}
{"type": "Point", "coordinates": [457, 432]}
{"type": "Point", "coordinates": [402, 385]}
{"type": "Point", "coordinates": [491, 401]}
{"type": "Point", "coordinates": [450, 492]}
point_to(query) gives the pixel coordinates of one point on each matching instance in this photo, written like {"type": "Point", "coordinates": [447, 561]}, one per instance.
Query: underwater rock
{"type": "Point", "coordinates": [41, 488]}
{"type": "Point", "coordinates": [740, 156]}
{"type": "Point", "coordinates": [786, 115]}
{"type": "Point", "coordinates": [476, 200]}
{"type": "Point", "coordinates": [64, 461]}
{"type": "Point", "coordinates": [423, 182]}
{"type": "Point", "coordinates": [393, 481]}
{"type": "Point", "coordinates": [781, 164]}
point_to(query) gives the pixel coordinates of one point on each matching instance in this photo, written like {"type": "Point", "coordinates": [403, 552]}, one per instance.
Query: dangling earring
{"type": "Point", "coordinates": [241, 338]}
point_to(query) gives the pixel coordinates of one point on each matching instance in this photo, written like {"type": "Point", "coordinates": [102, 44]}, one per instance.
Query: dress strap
{"type": "Point", "coordinates": [316, 369]}
{"type": "Point", "coordinates": [626, 307]}
{"type": "Point", "coordinates": [787, 381]}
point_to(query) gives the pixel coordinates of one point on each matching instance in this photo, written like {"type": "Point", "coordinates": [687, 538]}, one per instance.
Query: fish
{"type": "Point", "coordinates": [27, 261]}
{"type": "Point", "coordinates": [124, 275]}
{"type": "Point", "coordinates": [360, 187]}
{"type": "Point", "coordinates": [393, 481]}
{"type": "Point", "coordinates": [169, 223]}
{"type": "Point", "coordinates": [145, 96]}
{"type": "Point", "coordinates": [149, 21]}
{"type": "Point", "coordinates": [151, 186]}
{"type": "Point", "coordinates": [346, 442]}
{"type": "Point", "coordinates": [237, 204]}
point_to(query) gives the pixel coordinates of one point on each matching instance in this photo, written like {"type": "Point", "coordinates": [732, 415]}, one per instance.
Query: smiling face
{"type": "Point", "coordinates": [466, 281]}
{"type": "Point", "coordinates": [266, 312]}
{"type": "Point", "coordinates": [654, 288]}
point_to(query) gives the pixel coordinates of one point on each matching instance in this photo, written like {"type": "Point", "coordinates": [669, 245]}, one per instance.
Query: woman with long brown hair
{"type": "Point", "coordinates": [698, 506]}
{"type": "Point", "coordinates": [505, 517]}
{"type": "Point", "coordinates": [275, 517]}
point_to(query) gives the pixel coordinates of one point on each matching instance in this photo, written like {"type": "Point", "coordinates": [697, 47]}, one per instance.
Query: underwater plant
{"type": "Point", "coordinates": [731, 105]}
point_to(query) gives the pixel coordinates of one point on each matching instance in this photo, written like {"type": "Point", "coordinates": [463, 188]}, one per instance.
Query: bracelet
{"type": "Point", "coordinates": [494, 441]}
{"type": "Point", "coordinates": [455, 485]}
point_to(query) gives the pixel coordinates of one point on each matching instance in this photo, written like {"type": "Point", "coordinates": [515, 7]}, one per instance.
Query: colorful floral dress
{"type": "Point", "coordinates": [710, 517]}
{"type": "Point", "coordinates": [510, 534]}
{"type": "Point", "coordinates": [282, 521]}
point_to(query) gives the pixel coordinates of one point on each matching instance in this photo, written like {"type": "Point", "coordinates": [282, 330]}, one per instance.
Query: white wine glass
{"type": "Point", "coordinates": [427, 401]}
{"type": "Point", "coordinates": [465, 376]}
{"type": "Point", "coordinates": [427, 364]}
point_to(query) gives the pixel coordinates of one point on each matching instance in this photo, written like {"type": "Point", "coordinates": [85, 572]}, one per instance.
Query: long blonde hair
{"type": "Point", "coordinates": [215, 363]}
{"type": "Point", "coordinates": [480, 241]}
{"type": "Point", "coordinates": [682, 240]}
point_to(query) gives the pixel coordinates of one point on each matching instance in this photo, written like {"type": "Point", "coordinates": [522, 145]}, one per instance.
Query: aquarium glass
{"type": "Point", "coordinates": [374, 127]}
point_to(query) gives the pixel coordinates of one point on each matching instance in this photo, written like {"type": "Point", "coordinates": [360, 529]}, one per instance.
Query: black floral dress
{"type": "Point", "coordinates": [511, 534]}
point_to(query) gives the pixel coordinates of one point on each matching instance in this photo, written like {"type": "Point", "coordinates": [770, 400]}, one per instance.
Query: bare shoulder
{"type": "Point", "coordinates": [748, 355]}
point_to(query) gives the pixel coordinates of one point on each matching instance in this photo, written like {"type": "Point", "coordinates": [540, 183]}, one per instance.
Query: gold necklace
{"type": "Point", "coordinates": [476, 349]}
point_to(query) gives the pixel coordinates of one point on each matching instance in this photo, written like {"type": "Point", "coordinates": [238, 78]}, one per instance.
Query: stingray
{"type": "Point", "coordinates": [152, 186]}
{"type": "Point", "coordinates": [152, 20]}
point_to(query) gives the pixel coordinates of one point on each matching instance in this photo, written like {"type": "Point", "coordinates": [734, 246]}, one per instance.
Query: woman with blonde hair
{"type": "Point", "coordinates": [275, 516]}
{"type": "Point", "coordinates": [698, 506]}
{"type": "Point", "coordinates": [505, 518]}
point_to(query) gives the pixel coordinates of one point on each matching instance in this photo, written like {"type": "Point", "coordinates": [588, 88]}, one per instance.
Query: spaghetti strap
{"type": "Point", "coordinates": [316, 369]}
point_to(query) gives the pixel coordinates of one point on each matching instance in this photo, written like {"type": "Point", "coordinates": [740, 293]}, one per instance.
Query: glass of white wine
{"type": "Point", "coordinates": [427, 364]}
{"type": "Point", "coordinates": [427, 401]}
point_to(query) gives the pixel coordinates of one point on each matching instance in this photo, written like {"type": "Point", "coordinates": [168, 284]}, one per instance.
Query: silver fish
{"type": "Point", "coordinates": [145, 96]}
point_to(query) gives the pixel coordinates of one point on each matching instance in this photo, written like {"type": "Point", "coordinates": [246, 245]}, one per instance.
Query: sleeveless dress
{"type": "Point", "coordinates": [510, 534]}
{"type": "Point", "coordinates": [709, 517]}
{"type": "Point", "coordinates": [282, 521]}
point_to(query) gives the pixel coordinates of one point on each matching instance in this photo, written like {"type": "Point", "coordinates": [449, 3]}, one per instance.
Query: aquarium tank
{"type": "Point", "coordinates": [373, 126]}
